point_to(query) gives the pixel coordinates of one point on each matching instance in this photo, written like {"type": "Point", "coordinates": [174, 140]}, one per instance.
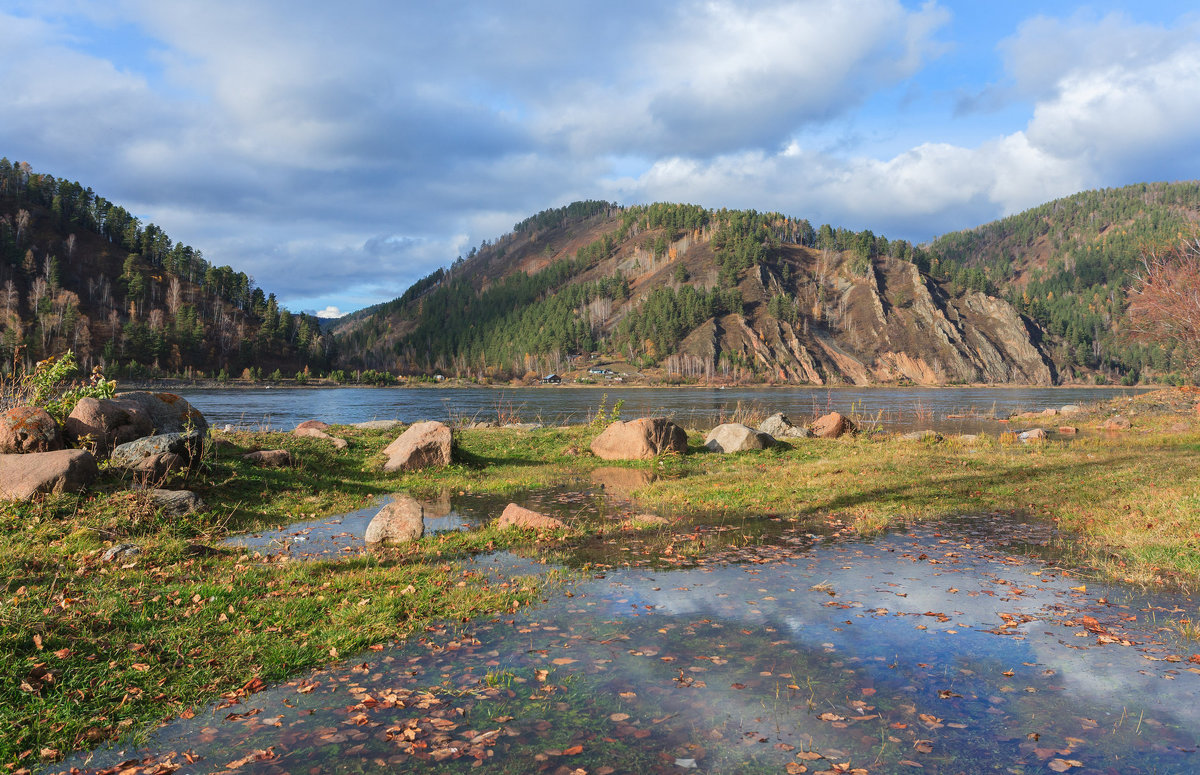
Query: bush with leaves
{"type": "Point", "coordinates": [49, 386]}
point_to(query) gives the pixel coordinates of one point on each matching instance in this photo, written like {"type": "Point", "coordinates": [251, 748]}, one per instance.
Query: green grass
{"type": "Point", "coordinates": [96, 651]}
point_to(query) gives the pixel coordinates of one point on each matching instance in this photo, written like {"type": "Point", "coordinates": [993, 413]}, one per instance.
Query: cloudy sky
{"type": "Point", "coordinates": [339, 151]}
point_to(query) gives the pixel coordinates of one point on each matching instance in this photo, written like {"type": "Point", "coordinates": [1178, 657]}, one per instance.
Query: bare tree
{"type": "Point", "coordinates": [1164, 300]}
{"type": "Point", "coordinates": [23, 221]}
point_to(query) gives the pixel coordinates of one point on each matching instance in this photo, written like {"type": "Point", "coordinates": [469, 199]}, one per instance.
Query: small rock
{"type": "Point", "coordinates": [1036, 434]}
{"type": "Point", "coordinates": [316, 424]}
{"type": "Point", "coordinates": [640, 439]}
{"type": "Point", "coordinates": [401, 521]}
{"type": "Point", "coordinates": [314, 432]}
{"type": "Point", "coordinates": [1068, 430]}
{"type": "Point", "coordinates": [925, 435]}
{"type": "Point", "coordinates": [1070, 409]}
{"type": "Point", "coordinates": [1049, 412]}
{"type": "Point", "coordinates": [176, 503]}
{"type": "Point", "coordinates": [832, 425]}
{"type": "Point", "coordinates": [422, 445]}
{"type": "Point", "coordinates": [65, 470]}
{"type": "Point", "coordinates": [29, 429]}
{"type": "Point", "coordinates": [735, 437]}
{"type": "Point", "coordinates": [968, 438]}
{"type": "Point", "coordinates": [1117, 423]}
{"type": "Point", "coordinates": [120, 552]}
{"type": "Point", "coordinates": [269, 458]}
{"type": "Point", "coordinates": [1179, 427]}
{"type": "Point", "coordinates": [522, 426]}
{"type": "Point", "coordinates": [517, 516]}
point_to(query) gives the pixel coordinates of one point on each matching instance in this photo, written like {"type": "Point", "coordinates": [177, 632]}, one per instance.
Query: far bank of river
{"type": "Point", "coordinates": [947, 409]}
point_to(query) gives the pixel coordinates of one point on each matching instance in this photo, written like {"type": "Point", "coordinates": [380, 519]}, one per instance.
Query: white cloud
{"type": "Point", "coordinates": [329, 312]}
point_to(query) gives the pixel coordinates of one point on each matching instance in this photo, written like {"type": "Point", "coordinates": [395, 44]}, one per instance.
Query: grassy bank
{"type": "Point", "coordinates": [96, 650]}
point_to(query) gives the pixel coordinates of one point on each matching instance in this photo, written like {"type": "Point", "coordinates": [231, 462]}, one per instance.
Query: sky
{"type": "Point", "coordinates": [337, 152]}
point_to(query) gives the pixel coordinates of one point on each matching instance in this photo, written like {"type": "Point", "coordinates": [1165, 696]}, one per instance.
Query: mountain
{"type": "Point", "coordinates": [79, 272]}
{"type": "Point", "coordinates": [682, 292]}
{"type": "Point", "coordinates": [1067, 263]}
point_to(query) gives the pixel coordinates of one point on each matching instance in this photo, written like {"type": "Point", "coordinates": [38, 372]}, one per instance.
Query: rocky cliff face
{"type": "Point", "coordinates": [893, 324]}
{"type": "Point", "coordinates": [802, 315]}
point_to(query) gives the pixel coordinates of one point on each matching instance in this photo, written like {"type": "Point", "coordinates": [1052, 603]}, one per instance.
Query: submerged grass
{"type": "Point", "coordinates": [98, 650]}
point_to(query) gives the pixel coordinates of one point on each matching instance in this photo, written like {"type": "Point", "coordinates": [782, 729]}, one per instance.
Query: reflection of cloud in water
{"type": "Point", "coordinates": [1100, 681]}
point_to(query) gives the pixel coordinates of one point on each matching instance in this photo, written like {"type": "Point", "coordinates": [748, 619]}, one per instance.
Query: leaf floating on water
{"type": "Point", "coordinates": [687, 764]}
{"type": "Point", "coordinates": [923, 746]}
{"type": "Point", "coordinates": [827, 716]}
{"type": "Point", "coordinates": [1062, 765]}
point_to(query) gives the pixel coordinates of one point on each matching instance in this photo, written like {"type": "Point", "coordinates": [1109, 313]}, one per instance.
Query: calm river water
{"type": "Point", "coordinates": [891, 408]}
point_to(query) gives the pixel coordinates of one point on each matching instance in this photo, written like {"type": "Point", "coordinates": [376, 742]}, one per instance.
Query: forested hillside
{"type": "Point", "coordinates": [695, 293]}
{"type": "Point", "coordinates": [1068, 263]}
{"type": "Point", "coordinates": [80, 272]}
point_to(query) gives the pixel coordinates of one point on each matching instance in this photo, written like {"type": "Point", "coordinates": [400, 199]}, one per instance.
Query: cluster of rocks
{"type": "Point", "coordinates": [148, 434]}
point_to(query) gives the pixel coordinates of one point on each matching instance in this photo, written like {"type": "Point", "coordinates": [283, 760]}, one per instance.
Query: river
{"type": "Point", "coordinates": [889, 408]}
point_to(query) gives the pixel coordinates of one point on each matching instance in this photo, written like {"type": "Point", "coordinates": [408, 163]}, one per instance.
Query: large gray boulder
{"type": "Point", "coordinates": [66, 470]}
{"type": "Point", "coordinates": [422, 445]}
{"type": "Point", "coordinates": [639, 439]}
{"type": "Point", "coordinates": [779, 426]}
{"type": "Point", "coordinates": [187, 446]}
{"type": "Point", "coordinates": [107, 423]}
{"type": "Point", "coordinates": [399, 522]}
{"type": "Point", "coordinates": [168, 412]}
{"type": "Point", "coordinates": [28, 429]}
{"type": "Point", "coordinates": [736, 437]}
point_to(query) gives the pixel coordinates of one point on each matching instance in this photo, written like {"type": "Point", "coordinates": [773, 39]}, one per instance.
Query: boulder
{"type": "Point", "coordinates": [1068, 430]}
{"type": "Point", "coordinates": [107, 422]}
{"type": "Point", "coordinates": [639, 439]}
{"type": "Point", "coordinates": [168, 412]}
{"type": "Point", "coordinates": [187, 445]}
{"type": "Point", "coordinates": [66, 470]}
{"type": "Point", "coordinates": [735, 437]}
{"type": "Point", "coordinates": [269, 458]}
{"type": "Point", "coordinates": [422, 445]}
{"type": "Point", "coordinates": [176, 503]}
{"type": "Point", "coordinates": [517, 516]}
{"type": "Point", "coordinates": [779, 426]}
{"type": "Point", "coordinates": [28, 429]}
{"type": "Point", "coordinates": [1070, 409]}
{"type": "Point", "coordinates": [1049, 412]}
{"type": "Point", "coordinates": [399, 522]}
{"type": "Point", "coordinates": [832, 425]}
{"type": "Point", "coordinates": [1036, 434]}
{"type": "Point", "coordinates": [925, 435]}
{"type": "Point", "coordinates": [1117, 423]}
{"type": "Point", "coordinates": [316, 424]}
{"type": "Point", "coordinates": [156, 468]}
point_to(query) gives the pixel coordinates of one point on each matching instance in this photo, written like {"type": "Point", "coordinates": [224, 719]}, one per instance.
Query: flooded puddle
{"type": "Point", "coordinates": [943, 649]}
{"type": "Point", "coordinates": [342, 535]}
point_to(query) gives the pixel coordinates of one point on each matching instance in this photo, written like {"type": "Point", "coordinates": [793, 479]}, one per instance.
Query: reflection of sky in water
{"type": "Point", "coordinates": [720, 646]}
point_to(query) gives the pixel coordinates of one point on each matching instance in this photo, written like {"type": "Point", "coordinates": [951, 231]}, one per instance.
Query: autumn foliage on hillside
{"type": "Point", "coordinates": [1164, 301]}
{"type": "Point", "coordinates": [79, 272]}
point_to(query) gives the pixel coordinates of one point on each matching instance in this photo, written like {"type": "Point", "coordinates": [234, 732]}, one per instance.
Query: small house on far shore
{"type": "Point", "coordinates": [552, 379]}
